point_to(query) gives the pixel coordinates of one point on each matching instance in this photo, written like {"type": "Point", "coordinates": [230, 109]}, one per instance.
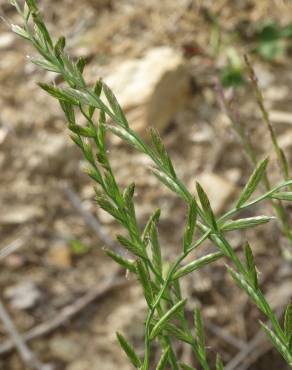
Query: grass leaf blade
{"type": "Point", "coordinates": [251, 266]}
{"type": "Point", "coordinates": [219, 363]}
{"type": "Point", "coordinates": [190, 226]}
{"type": "Point", "coordinates": [245, 223]}
{"type": "Point", "coordinates": [206, 206]}
{"type": "Point", "coordinates": [285, 195]}
{"type": "Point", "coordinates": [158, 327]}
{"type": "Point", "coordinates": [253, 182]}
{"type": "Point", "coordinates": [197, 264]}
{"type": "Point", "coordinates": [129, 351]}
{"type": "Point", "coordinates": [163, 360]}
{"type": "Point", "coordinates": [288, 321]}
{"type": "Point", "coordinates": [128, 265]}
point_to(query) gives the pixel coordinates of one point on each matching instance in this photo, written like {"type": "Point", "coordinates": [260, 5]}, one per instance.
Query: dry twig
{"type": "Point", "coordinates": [18, 341]}
{"type": "Point", "coordinates": [89, 219]}
{"type": "Point", "coordinates": [14, 245]}
{"type": "Point", "coordinates": [68, 312]}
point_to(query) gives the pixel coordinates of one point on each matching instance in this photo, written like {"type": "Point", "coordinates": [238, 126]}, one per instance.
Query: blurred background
{"type": "Point", "coordinates": [161, 58]}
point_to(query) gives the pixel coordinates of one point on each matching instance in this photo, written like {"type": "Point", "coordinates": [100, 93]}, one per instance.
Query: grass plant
{"type": "Point", "coordinates": [166, 321]}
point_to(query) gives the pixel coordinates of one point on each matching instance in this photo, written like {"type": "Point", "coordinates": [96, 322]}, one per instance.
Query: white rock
{"type": "Point", "coordinates": [23, 295]}
{"type": "Point", "coordinates": [219, 190]}
{"type": "Point", "coordinates": [20, 214]}
{"type": "Point", "coordinates": [281, 117]}
{"type": "Point", "coordinates": [152, 89]}
{"type": "Point", "coordinates": [65, 348]}
{"type": "Point", "coordinates": [6, 40]}
{"type": "Point", "coordinates": [51, 154]}
{"type": "Point", "coordinates": [264, 76]}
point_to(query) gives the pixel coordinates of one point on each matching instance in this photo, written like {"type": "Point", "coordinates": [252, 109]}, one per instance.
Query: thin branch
{"type": "Point", "coordinates": [250, 352]}
{"type": "Point", "coordinates": [89, 219]}
{"type": "Point", "coordinates": [14, 245]}
{"type": "Point", "coordinates": [17, 340]}
{"type": "Point", "coordinates": [68, 312]}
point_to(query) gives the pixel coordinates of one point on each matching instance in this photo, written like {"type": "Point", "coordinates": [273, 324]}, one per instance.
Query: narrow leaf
{"type": "Point", "coordinates": [131, 246]}
{"type": "Point", "coordinates": [129, 193]}
{"type": "Point", "coordinates": [81, 64]}
{"type": "Point", "coordinates": [145, 282]}
{"type": "Point", "coordinates": [163, 360]}
{"type": "Point", "coordinates": [248, 288]}
{"type": "Point", "coordinates": [277, 343]}
{"type": "Point", "coordinates": [245, 223]}
{"type": "Point", "coordinates": [130, 352]}
{"type": "Point", "coordinates": [167, 181]}
{"type": "Point", "coordinates": [186, 367]}
{"type": "Point", "coordinates": [206, 207]}
{"type": "Point", "coordinates": [69, 111]}
{"type": "Point", "coordinates": [58, 93]}
{"type": "Point", "coordinates": [284, 162]}
{"type": "Point", "coordinates": [197, 264]}
{"type": "Point", "coordinates": [89, 131]}
{"type": "Point", "coordinates": [77, 140]}
{"type": "Point", "coordinates": [130, 206]}
{"type": "Point", "coordinates": [152, 220]}
{"type": "Point", "coordinates": [161, 151]}
{"type": "Point", "coordinates": [45, 65]}
{"type": "Point", "coordinates": [251, 266]}
{"type": "Point", "coordinates": [60, 45]}
{"type": "Point", "coordinates": [115, 105]}
{"type": "Point", "coordinates": [155, 248]}
{"type": "Point", "coordinates": [16, 5]}
{"type": "Point", "coordinates": [95, 174]}
{"type": "Point", "coordinates": [282, 195]}
{"type": "Point", "coordinates": [127, 136]}
{"type": "Point", "coordinates": [158, 327]}
{"type": "Point", "coordinates": [223, 245]}
{"type": "Point", "coordinates": [101, 132]}
{"type": "Point", "coordinates": [190, 226]}
{"type": "Point", "coordinates": [288, 321]}
{"type": "Point", "coordinates": [199, 328]}
{"type": "Point", "coordinates": [32, 5]}
{"type": "Point", "coordinates": [41, 28]}
{"type": "Point", "coordinates": [172, 330]}
{"type": "Point", "coordinates": [219, 363]}
{"type": "Point", "coordinates": [253, 182]}
{"type": "Point", "coordinates": [88, 153]}
{"type": "Point", "coordinates": [20, 31]}
{"type": "Point", "coordinates": [128, 265]}
{"type": "Point", "coordinates": [97, 91]}
{"type": "Point", "coordinates": [106, 205]}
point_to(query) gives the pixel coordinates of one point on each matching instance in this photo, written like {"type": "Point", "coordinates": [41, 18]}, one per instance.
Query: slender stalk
{"type": "Point", "coordinates": [238, 127]}
{"type": "Point", "coordinates": [148, 266]}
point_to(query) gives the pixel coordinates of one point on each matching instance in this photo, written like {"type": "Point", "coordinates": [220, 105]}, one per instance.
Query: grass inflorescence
{"type": "Point", "coordinates": [166, 321]}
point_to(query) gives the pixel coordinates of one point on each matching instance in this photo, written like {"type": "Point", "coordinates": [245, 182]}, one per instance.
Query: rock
{"type": "Point", "coordinates": [219, 190]}
{"type": "Point", "coordinates": [20, 214]}
{"type": "Point", "coordinates": [23, 295]}
{"type": "Point", "coordinates": [264, 76]}
{"type": "Point", "coordinates": [65, 348]}
{"type": "Point", "coordinates": [276, 93]}
{"type": "Point", "coordinates": [52, 154]}
{"type": "Point", "coordinates": [281, 117]}
{"type": "Point", "coordinates": [152, 89]}
{"type": "Point", "coordinates": [128, 318]}
{"type": "Point", "coordinates": [6, 40]}
{"type": "Point", "coordinates": [3, 134]}
{"type": "Point", "coordinates": [59, 255]}
{"type": "Point", "coordinates": [278, 296]}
